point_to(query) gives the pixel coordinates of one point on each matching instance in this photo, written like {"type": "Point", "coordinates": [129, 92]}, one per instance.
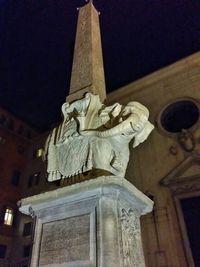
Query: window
{"type": "Point", "coordinates": [27, 229]}
{"type": "Point", "coordinates": [21, 150]}
{"type": "Point", "coordinates": [182, 114]}
{"type": "Point", "coordinates": [21, 130]}
{"type": "Point", "coordinates": [10, 124]}
{"type": "Point", "coordinates": [27, 250]}
{"type": "Point", "coordinates": [30, 181]}
{"type": "Point", "coordinates": [190, 210]}
{"type": "Point", "coordinates": [8, 217]}
{"type": "Point", "coordinates": [28, 133]}
{"type": "Point", "coordinates": [2, 119]}
{"type": "Point", "coordinates": [2, 164]}
{"type": "Point", "coordinates": [38, 153]}
{"type": "Point", "coordinates": [2, 140]}
{"type": "Point", "coordinates": [3, 249]}
{"type": "Point", "coordinates": [15, 177]}
{"type": "Point", "coordinates": [34, 179]}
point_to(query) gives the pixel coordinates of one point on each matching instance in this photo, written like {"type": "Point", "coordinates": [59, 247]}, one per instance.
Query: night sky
{"type": "Point", "coordinates": [37, 40]}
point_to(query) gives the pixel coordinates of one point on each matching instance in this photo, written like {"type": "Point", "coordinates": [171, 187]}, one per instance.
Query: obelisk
{"type": "Point", "coordinates": [87, 69]}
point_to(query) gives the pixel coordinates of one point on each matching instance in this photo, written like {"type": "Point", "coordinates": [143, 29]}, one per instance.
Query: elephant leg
{"type": "Point", "coordinates": [102, 154]}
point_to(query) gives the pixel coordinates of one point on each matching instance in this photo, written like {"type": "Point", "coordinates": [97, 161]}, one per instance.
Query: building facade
{"type": "Point", "coordinates": [166, 166]}
{"type": "Point", "coordinates": [15, 138]}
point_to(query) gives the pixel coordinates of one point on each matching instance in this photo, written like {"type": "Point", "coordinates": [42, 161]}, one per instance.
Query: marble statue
{"type": "Point", "coordinates": [93, 136]}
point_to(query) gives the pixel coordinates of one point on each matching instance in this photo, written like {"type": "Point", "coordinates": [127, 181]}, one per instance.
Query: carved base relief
{"type": "Point", "coordinates": [131, 238]}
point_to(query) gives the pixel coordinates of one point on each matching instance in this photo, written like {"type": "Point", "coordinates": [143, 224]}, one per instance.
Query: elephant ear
{"type": "Point", "coordinates": [142, 135]}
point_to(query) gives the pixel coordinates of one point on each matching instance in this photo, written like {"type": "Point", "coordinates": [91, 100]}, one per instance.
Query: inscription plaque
{"type": "Point", "coordinates": [65, 241]}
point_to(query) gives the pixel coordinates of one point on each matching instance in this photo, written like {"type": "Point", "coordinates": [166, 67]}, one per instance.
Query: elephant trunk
{"type": "Point", "coordinates": [118, 129]}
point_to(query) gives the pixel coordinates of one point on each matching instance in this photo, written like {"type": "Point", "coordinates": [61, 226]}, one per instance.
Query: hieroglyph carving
{"type": "Point", "coordinates": [93, 136]}
{"type": "Point", "coordinates": [131, 238]}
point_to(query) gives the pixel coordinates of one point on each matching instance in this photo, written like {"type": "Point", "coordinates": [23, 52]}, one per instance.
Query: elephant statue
{"type": "Point", "coordinates": [93, 136]}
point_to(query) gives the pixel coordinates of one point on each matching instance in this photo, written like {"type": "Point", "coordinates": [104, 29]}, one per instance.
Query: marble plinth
{"type": "Point", "coordinates": [94, 223]}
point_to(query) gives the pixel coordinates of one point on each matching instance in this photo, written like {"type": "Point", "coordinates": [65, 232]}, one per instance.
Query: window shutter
{"type": "Point", "coordinates": [15, 213]}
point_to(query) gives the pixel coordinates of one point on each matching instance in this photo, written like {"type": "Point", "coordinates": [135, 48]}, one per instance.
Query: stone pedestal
{"type": "Point", "coordinates": [94, 223]}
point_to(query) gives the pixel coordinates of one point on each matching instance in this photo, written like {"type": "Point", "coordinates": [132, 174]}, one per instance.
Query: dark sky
{"type": "Point", "coordinates": [37, 40]}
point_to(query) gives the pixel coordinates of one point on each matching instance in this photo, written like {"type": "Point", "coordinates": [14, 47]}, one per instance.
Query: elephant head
{"type": "Point", "coordinates": [133, 122]}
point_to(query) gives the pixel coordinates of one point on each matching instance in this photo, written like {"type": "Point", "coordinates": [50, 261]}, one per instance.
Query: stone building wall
{"type": "Point", "coordinates": [161, 154]}
{"type": "Point", "coordinates": [15, 138]}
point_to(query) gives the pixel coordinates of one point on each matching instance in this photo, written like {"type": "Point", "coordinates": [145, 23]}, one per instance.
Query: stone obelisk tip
{"type": "Point", "coordinates": [87, 70]}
